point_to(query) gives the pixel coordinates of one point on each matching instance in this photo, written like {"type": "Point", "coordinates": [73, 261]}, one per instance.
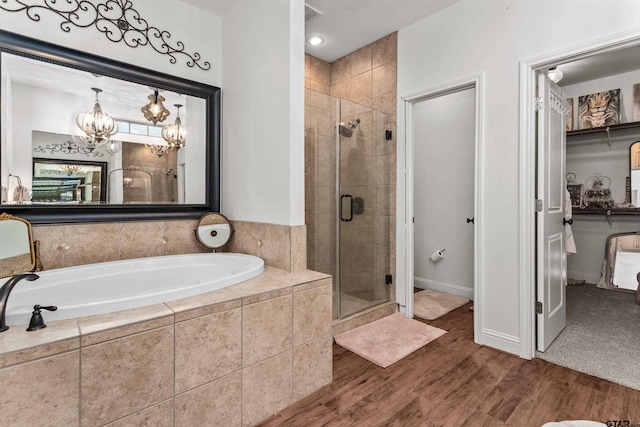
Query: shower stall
{"type": "Point", "coordinates": [348, 206]}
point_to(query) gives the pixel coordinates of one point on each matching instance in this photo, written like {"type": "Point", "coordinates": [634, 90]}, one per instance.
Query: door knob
{"type": "Point", "coordinates": [565, 221]}
{"type": "Point", "coordinates": [471, 220]}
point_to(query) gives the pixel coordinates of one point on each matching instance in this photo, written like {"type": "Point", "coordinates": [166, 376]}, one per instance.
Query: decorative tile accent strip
{"type": "Point", "coordinates": [116, 19]}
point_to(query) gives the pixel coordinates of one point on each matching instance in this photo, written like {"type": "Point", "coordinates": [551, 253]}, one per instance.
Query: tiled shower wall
{"type": "Point", "coordinates": [320, 181]}
{"type": "Point", "coordinates": [368, 77]}
{"type": "Point", "coordinates": [365, 173]}
{"type": "Point", "coordinates": [163, 181]}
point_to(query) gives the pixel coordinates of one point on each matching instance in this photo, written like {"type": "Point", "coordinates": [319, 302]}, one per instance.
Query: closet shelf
{"type": "Point", "coordinates": [606, 129]}
{"type": "Point", "coordinates": [603, 211]}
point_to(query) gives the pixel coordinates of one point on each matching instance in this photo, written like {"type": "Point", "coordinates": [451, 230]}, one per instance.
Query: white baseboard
{"type": "Point", "coordinates": [500, 341]}
{"type": "Point", "coordinates": [589, 278]}
{"type": "Point", "coordinates": [448, 288]}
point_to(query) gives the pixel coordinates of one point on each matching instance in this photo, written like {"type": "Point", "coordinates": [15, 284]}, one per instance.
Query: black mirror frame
{"type": "Point", "coordinates": [48, 214]}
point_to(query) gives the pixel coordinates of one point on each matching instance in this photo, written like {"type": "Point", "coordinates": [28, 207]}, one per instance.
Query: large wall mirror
{"type": "Point", "coordinates": [57, 165]}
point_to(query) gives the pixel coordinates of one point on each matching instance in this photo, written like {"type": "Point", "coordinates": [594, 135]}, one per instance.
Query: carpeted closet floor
{"type": "Point", "coordinates": [602, 337]}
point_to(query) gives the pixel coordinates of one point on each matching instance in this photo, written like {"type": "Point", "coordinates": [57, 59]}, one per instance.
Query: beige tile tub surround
{"type": "Point", "coordinates": [215, 403]}
{"type": "Point", "coordinates": [280, 246]}
{"type": "Point", "coordinates": [267, 386]}
{"type": "Point", "coordinates": [197, 339]}
{"type": "Point", "coordinates": [156, 416]}
{"type": "Point", "coordinates": [44, 392]}
{"type": "Point", "coordinates": [122, 376]}
{"type": "Point", "coordinates": [230, 357]}
{"type": "Point", "coordinates": [266, 329]}
{"type": "Point", "coordinates": [68, 245]}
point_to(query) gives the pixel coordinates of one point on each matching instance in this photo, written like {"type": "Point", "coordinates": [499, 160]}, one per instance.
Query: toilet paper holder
{"type": "Point", "coordinates": [437, 255]}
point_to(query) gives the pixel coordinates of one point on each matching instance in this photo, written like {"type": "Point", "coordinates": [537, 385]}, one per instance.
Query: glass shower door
{"type": "Point", "coordinates": [363, 181]}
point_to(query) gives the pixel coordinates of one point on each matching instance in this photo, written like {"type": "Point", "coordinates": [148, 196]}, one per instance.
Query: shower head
{"type": "Point", "coordinates": [347, 130]}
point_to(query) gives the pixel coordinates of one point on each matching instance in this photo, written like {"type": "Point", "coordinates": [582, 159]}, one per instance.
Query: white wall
{"type": "Point", "coordinates": [263, 90]}
{"type": "Point", "coordinates": [263, 112]}
{"type": "Point", "coordinates": [198, 30]}
{"type": "Point", "coordinates": [444, 175]}
{"type": "Point", "coordinates": [493, 37]}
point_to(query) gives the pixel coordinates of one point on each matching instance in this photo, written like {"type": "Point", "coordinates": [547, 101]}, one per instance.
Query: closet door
{"type": "Point", "coordinates": [551, 304]}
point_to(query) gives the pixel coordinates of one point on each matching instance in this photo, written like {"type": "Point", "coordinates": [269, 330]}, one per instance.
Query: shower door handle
{"type": "Point", "coordinates": [344, 196]}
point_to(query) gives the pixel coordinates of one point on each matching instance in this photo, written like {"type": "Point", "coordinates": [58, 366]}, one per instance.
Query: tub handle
{"type": "Point", "coordinates": [37, 321]}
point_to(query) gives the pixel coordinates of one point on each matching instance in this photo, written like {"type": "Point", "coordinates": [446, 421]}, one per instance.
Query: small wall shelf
{"type": "Point", "coordinates": [607, 129]}
{"type": "Point", "coordinates": [608, 213]}
{"type": "Point", "coordinates": [602, 211]}
{"type": "Point", "coordinates": [631, 128]}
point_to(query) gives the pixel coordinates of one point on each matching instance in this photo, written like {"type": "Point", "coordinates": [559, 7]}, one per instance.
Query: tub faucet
{"type": "Point", "coordinates": [5, 290]}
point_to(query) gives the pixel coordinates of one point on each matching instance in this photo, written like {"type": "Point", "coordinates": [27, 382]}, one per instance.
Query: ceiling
{"type": "Point", "coordinates": [348, 25]}
{"type": "Point", "coordinates": [53, 77]}
{"type": "Point", "coordinates": [601, 65]}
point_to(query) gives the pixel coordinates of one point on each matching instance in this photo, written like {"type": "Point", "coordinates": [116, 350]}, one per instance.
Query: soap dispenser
{"type": "Point", "coordinates": [37, 321]}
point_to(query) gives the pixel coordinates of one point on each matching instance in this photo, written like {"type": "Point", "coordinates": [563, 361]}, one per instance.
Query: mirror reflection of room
{"type": "Point", "coordinates": [148, 177]}
{"type": "Point", "coordinates": [16, 247]}
{"type": "Point", "coordinates": [60, 181]}
{"type": "Point", "coordinates": [98, 140]}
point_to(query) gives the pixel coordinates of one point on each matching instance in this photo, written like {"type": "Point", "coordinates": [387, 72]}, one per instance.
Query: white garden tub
{"type": "Point", "coordinates": [106, 287]}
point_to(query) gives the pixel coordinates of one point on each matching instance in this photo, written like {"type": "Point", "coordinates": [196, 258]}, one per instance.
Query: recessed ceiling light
{"type": "Point", "coordinates": [315, 40]}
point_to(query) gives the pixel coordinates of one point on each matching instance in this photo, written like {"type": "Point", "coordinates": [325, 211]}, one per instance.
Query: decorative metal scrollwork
{"type": "Point", "coordinates": [116, 19]}
{"type": "Point", "coordinates": [68, 147]}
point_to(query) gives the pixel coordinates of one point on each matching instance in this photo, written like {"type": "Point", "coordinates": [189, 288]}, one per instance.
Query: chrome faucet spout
{"type": "Point", "coordinates": [6, 289]}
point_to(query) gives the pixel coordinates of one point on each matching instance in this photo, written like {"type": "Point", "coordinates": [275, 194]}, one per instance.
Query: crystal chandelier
{"type": "Point", "coordinates": [154, 111]}
{"type": "Point", "coordinates": [97, 126]}
{"type": "Point", "coordinates": [159, 150]}
{"type": "Point", "coordinates": [175, 134]}
{"type": "Point", "coordinates": [112, 148]}
{"type": "Point", "coordinates": [71, 169]}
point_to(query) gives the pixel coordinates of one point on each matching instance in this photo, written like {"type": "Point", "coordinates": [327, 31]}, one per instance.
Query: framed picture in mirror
{"type": "Point", "coordinates": [68, 181]}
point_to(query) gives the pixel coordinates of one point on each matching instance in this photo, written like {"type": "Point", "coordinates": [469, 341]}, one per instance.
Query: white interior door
{"type": "Point", "coordinates": [551, 304]}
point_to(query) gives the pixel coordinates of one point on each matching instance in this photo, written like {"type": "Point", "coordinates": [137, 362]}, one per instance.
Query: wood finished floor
{"type": "Point", "coordinates": [454, 382]}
